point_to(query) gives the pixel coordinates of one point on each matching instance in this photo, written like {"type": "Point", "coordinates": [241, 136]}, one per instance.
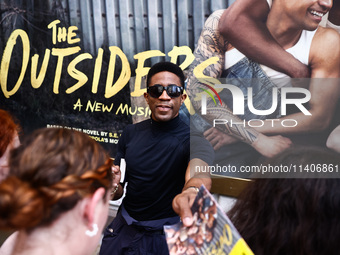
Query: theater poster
{"type": "Point", "coordinates": [82, 64]}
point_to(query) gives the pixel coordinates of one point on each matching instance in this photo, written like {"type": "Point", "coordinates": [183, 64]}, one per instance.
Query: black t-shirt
{"type": "Point", "coordinates": [157, 155]}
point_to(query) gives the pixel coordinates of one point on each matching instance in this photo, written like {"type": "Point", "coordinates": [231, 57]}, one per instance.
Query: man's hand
{"type": "Point", "coordinates": [182, 204]}
{"type": "Point", "coordinates": [218, 138]}
{"type": "Point", "coordinates": [269, 146]}
{"type": "Point", "coordinates": [116, 176]}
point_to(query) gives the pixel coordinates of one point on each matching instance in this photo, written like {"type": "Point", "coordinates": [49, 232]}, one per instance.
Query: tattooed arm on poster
{"type": "Point", "coordinates": [209, 55]}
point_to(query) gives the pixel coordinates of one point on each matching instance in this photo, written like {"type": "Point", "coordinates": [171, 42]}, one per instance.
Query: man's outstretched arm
{"type": "Point", "coordinates": [324, 87]}
{"type": "Point", "coordinates": [193, 181]}
{"type": "Point", "coordinates": [243, 24]}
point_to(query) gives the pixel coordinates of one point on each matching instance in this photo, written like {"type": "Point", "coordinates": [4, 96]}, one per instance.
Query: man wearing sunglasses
{"type": "Point", "coordinates": [160, 155]}
{"type": "Point", "coordinates": [164, 106]}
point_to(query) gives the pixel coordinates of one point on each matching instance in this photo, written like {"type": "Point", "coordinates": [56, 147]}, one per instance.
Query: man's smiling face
{"type": "Point", "coordinates": [307, 13]}
{"type": "Point", "coordinates": [164, 108]}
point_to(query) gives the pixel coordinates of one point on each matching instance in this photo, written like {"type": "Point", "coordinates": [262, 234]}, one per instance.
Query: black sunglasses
{"type": "Point", "coordinates": [172, 90]}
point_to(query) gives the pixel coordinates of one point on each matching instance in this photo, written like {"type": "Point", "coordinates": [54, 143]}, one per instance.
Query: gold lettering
{"type": "Point", "coordinates": [36, 81]}
{"type": "Point", "coordinates": [182, 50]}
{"type": "Point", "coordinates": [226, 239]}
{"type": "Point", "coordinates": [53, 25]}
{"type": "Point", "coordinates": [125, 75]}
{"type": "Point", "coordinates": [62, 34]}
{"type": "Point", "coordinates": [98, 107]}
{"type": "Point", "coordinates": [142, 71]}
{"type": "Point", "coordinates": [76, 74]}
{"type": "Point", "coordinates": [123, 108]}
{"type": "Point", "coordinates": [71, 34]}
{"type": "Point", "coordinates": [61, 53]}
{"type": "Point", "coordinates": [199, 69]}
{"type": "Point", "coordinates": [6, 58]}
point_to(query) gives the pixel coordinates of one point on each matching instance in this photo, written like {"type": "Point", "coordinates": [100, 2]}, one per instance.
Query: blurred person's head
{"type": "Point", "coordinates": [292, 215]}
{"type": "Point", "coordinates": [60, 180]}
{"type": "Point", "coordinates": [9, 139]}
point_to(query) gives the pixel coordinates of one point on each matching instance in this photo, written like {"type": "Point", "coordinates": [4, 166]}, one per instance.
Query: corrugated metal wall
{"type": "Point", "coordinates": [140, 25]}
{"type": "Point", "coordinates": [132, 25]}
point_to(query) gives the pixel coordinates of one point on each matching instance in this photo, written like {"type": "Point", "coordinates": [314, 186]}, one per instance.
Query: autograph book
{"type": "Point", "coordinates": [211, 233]}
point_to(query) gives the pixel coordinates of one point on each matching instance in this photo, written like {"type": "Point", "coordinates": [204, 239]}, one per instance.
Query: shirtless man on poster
{"type": "Point", "coordinates": [323, 62]}
{"type": "Point", "coordinates": [249, 16]}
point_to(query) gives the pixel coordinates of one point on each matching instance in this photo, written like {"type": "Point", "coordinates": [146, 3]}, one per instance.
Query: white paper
{"type": "Point", "coordinates": [122, 169]}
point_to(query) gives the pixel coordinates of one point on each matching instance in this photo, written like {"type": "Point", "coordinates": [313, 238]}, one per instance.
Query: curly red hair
{"type": "Point", "coordinates": [51, 171]}
{"type": "Point", "coordinates": [8, 130]}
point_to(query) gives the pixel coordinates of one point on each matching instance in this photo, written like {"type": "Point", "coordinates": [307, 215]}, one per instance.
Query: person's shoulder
{"type": "Point", "coordinates": [182, 130]}
{"type": "Point", "coordinates": [217, 13]}
{"type": "Point", "coordinates": [145, 124]}
{"type": "Point", "coordinates": [328, 33]}
{"type": "Point", "coordinates": [325, 46]}
{"type": "Point", "coordinates": [137, 126]}
{"type": "Point", "coordinates": [324, 37]}
{"type": "Point", "coordinates": [214, 18]}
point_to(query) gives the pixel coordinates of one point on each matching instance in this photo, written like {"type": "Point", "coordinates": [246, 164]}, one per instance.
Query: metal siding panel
{"type": "Point", "coordinates": [230, 2]}
{"type": "Point", "coordinates": [98, 23]}
{"type": "Point", "coordinates": [111, 22]}
{"type": "Point", "coordinates": [183, 22]}
{"type": "Point", "coordinates": [139, 26]}
{"type": "Point", "coordinates": [65, 10]}
{"type": "Point", "coordinates": [191, 24]}
{"type": "Point", "coordinates": [206, 7]}
{"type": "Point", "coordinates": [50, 4]}
{"type": "Point", "coordinates": [198, 16]}
{"type": "Point", "coordinates": [74, 13]}
{"type": "Point", "coordinates": [87, 26]}
{"type": "Point", "coordinates": [169, 25]}
{"type": "Point", "coordinates": [125, 29]}
{"type": "Point", "coordinates": [154, 35]}
{"type": "Point", "coordinates": [218, 4]}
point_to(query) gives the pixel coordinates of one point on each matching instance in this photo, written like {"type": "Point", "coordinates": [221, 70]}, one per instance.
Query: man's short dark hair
{"type": "Point", "coordinates": [165, 67]}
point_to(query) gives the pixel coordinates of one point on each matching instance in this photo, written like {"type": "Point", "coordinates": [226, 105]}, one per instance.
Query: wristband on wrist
{"type": "Point", "coordinates": [193, 187]}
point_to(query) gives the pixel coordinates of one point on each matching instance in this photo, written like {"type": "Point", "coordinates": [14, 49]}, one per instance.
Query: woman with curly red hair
{"type": "Point", "coordinates": [9, 139]}
{"type": "Point", "coordinates": [57, 194]}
